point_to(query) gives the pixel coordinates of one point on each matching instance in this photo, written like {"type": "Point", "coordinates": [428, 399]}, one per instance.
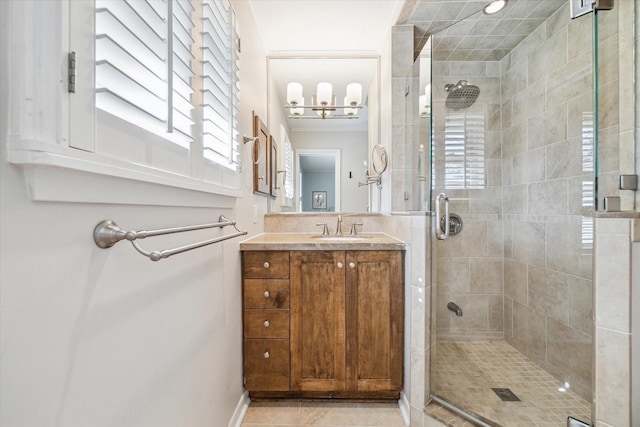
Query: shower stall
{"type": "Point", "coordinates": [505, 126]}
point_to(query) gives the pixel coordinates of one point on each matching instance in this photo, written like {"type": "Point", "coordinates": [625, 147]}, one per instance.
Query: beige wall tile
{"type": "Point", "coordinates": [515, 280]}
{"type": "Point", "coordinates": [612, 377]}
{"type": "Point", "coordinates": [529, 332]}
{"type": "Point", "coordinates": [548, 293]}
{"type": "Point", "coordinates": [548, 198]}
{"type": "Point", "coordinates": [529, 242]}
{"type": "Point", "coordinates": [570, 350]}
{"type": "Point", "coordinates": [613, 275]}
{"type": "Point", "coordinates": [453, 275]}
{"type": "Point", "coordinates": [580, 304]}
{"type": "Point", "coordinates": [472, 242]}
{"type": "Point", "coordinates": [485, 276]}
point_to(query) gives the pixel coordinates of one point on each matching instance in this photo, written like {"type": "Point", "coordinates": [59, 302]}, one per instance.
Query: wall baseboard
{"type": "Point", "coordinates": [241, 409]}
{"type": "Point", "coordinates": [405, 408]}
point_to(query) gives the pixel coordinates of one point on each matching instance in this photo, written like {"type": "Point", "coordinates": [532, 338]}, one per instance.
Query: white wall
{"type": "Point", "coordinates": [105, 337]}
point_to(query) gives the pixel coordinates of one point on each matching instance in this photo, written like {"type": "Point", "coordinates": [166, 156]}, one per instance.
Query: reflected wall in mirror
{"type": "Point", "coordinates": [350, 138]}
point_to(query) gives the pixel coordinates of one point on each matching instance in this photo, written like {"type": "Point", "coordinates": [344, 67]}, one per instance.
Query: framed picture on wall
{"type": "Point", "coordinates": [319, 199]}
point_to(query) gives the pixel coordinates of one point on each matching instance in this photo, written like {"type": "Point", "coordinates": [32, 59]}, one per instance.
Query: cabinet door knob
{"type": "Point", "coordinates": [266, 354]}
{"type": "Point", "coordinates": [266, 294]}
{"type": "Point", "coordinates": [266, 323]}
{"type": "Point", "coordinates": [339, 265]}
{"type": "Point", "coordinates": [266, 264]}
{"type": "Point", "coordinates": [352, 265]}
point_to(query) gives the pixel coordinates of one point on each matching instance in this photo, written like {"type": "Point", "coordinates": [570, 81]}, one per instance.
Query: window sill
{"type": "Point", "coordinates": [55, 173]}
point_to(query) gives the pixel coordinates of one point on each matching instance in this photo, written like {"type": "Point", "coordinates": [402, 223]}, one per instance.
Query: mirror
{"type": "Point", "coordinates": [352, 138]}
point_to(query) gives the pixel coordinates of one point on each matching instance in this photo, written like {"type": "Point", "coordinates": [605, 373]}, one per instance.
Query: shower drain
{"type": "Point", "coordinates": [506, 394]}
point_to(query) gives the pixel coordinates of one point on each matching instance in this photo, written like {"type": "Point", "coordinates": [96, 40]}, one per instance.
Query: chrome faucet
{"type": "Point", "coordinates": [339, 226]}
{"type": "Point", "coordinates": [325, 229]}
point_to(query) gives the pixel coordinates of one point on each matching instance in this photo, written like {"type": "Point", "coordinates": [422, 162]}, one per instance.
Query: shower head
{"type": "Point", "coordinates": [461, 94]}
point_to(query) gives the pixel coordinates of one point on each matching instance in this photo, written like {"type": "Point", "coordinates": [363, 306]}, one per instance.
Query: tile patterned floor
{"type": "Point", "coordinates": [334, 414]}
{"type": "Point", "coordinates": [465, 372]}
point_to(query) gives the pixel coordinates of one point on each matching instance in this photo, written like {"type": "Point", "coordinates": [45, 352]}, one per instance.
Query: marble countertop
{"type": "Point", "coordinates": [314, 241]}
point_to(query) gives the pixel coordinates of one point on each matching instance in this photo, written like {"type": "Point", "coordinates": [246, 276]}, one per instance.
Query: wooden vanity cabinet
{"type": "Point", "coordinates": [346, 318]}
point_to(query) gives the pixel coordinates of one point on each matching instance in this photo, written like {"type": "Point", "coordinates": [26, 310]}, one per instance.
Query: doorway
{"type": "Point", "coordinates": [318, 180]}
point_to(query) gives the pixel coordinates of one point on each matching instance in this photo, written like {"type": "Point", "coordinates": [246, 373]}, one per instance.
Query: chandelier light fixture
{"type": "Point", "coordinates": [323, 102]}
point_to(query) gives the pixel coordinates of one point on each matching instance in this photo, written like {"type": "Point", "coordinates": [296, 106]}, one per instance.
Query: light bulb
{"type": "Point", "coordinates": [349, 111]}
{"type": "Point", "coordinates": [354, 94]}
{"type": "Point", "coordinates": [494, 7]}
{"type": "Point", "coordinates": [324, 93]}
{"type": "Point", "coordinates": [298, 111]}
{"type": "Point", "coordinates": [294, 94]}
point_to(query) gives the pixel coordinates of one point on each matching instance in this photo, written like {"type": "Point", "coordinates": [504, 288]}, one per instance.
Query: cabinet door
{"type": "Point", "coordinates": [375, 320]}
{"type": "Point", "coordinates": [317, 321]}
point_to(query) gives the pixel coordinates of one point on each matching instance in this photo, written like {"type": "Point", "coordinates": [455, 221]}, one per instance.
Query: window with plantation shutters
{"type": "Point", "coordinates": [464, 151]}
{"type": "Point", "coordinates": [166, 82]}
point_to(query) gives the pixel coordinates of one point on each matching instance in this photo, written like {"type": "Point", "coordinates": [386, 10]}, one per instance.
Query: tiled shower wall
{"type": "Point", "coordinates": [548, 161]}
{"type": "Point", "coordinates": [469, 267]}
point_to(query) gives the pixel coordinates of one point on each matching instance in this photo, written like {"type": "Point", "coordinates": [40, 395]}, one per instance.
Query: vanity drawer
{"type": "Point", "coordinates": [265, 264]}
{"type": "Point", "coordinates": [266, 323]}
{"type": "Point", "coordinates": [266, 293]}
{"type": "Point", "coordinates": [266, 365]}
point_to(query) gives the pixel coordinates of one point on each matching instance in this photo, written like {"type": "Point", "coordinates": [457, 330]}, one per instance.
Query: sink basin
{"type": "Point", "coordinates": [341, 239]}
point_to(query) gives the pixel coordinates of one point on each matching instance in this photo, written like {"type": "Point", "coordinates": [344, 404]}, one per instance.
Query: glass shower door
{"type": "Point", "coordinates": [512, 118]}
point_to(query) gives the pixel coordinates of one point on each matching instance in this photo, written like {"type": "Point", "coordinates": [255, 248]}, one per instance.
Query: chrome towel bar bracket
{"type": "Point", "coordinates": [107, 233]}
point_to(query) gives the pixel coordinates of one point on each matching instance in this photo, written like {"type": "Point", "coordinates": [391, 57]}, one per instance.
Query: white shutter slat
{"type": "Point", "coordinates": [182, 88]}
{"type": "Point", "coordinates": [146, 12]}
{"type": "Point", "coordinates": [214, 125]}
{"type": "Point", "coordinates": [111, 80]}
{"type": "Point", "coordinates": [108, 51]}
{"type": "Point", "coordinates": [215, 103]}
{"type": "Point", "coordinates": [133, 26]}
{"type": "Point", "coordinates": [159, 7]}
{"type": "Point", "coordinates": [182, 51]}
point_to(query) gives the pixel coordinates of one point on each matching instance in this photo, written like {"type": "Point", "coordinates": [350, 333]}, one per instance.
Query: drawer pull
{"type": "Point", "coordinates": [266, 323]}
{"type": "Point", "coordinates": [339, 265]}
{"type": "Point", "coordinates": [266, 354]}
{"type": "Point", "coordinates": [352, 265]}
{"type": "Point", "coordinates": [266, 294]}
{"type": "Point", "coordinates": [266, 264]}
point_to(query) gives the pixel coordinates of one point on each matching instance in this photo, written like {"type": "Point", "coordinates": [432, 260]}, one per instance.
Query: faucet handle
{"type": "Point", "coordinates": [354, 231]}
{"type": "Point", "coordinates": [325, 229]}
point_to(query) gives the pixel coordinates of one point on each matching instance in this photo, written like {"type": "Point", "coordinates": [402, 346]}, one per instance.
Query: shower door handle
{"type": "Point", "coordinates": [445, 235]}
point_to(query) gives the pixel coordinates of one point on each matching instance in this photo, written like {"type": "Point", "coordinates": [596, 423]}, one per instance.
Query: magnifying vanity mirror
{"type": "Point", "coordinates": [379, 159]}
{"type": "Point", "coordinates": [327, 143]}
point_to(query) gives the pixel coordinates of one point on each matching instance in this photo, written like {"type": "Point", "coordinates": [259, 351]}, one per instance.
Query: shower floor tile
{"type": "Point", "coordinates": [466, 372]}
